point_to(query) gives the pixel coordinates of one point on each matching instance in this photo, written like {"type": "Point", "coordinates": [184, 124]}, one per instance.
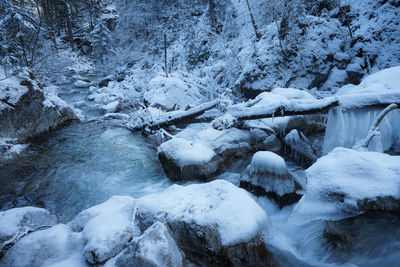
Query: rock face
{"type": "Point", "coordinates": [215, 224]}
{"type": "Point", "coordinates": [267, 176]}
{"type": "Point", "coordinates": [25, 110]}
{"type": "Point", "coordinates": [19, 222]}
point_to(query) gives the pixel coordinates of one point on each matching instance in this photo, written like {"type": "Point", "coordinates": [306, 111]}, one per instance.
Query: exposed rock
{"type": "Point", "coordinates": [301, 149]}
{"type": "Point", "coordinates": [19, 222]}
{"type": "Point", "coordinates": [267, 176]}
{"type": "Point", "coordinates": [155, 247]}
{"type": "Point", "coordinates": [215, 224]}
{"type": "Point", "coordinates": [25, 111]}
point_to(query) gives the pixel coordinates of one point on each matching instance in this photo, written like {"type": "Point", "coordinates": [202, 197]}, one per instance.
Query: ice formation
{"type": "Point", "coordinates": [346, 127]}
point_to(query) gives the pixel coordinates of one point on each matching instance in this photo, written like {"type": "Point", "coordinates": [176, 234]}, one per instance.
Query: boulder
{"type": "Point", "coordinates": [105, 228]}
{"type": "Point", "coordinates": [19, 222]}
{"type": "Point", "coordinates": [56, 246]}
{"type": "Point", "coordinates": [300, 148]}
{"type": "Point", "coordinates": [26, 110]}
{"type": "Point", "coordinates": [214, 224]}
{"type": "Point", "coordinates": [267, 175]}
{"type": "Point", "coordinates": [347, 183]}
{"type": "Point", "coordinates": [155, 247]}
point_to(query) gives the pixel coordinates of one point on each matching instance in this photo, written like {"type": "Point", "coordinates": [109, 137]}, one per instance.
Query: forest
{"type": "Point", "coordinates": [199, 133]}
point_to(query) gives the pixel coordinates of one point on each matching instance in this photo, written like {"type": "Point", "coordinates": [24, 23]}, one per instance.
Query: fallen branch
{"type": "Point", "coordinates": [374, 130]}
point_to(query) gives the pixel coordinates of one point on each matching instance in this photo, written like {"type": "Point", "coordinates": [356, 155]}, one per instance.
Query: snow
{"type": "Point", "coordinates": [171, 93]}
{"type": "Point", "coordinates": [186, 153]}
{"type": "Point", "coordinates": [56, 246]}
{"type": "Point", "coordinates": [81, 84]}
{"type": "Point", "coordinates": [339, 180]}
{"type": "Point", "coordinates": [269, 162]}
{"type": "Point", "coordinates": [110, 107]}
{"type": "Point", "coordinates": [106, 228]}
{"type": "Point", "coordinates": [292, 93]}
{"type": "Point", "coordinates": [220, 204]}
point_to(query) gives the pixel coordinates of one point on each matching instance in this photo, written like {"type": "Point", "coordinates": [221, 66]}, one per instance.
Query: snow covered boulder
{"type": "Point", "coordinates": [26, 110]}
{"type": "Point", "coordinates": [346, 183]}
{"type": "Point", "coordinates": [171, 94]}
{"type": "Point", "coordinates": [215, 224]}
{"type": "Point", "coordinates": [184, 160]}
{"type": "Point", "coordinates": [106, 228]}
{"type": "Point", "coordinates": [56, 246]}
{"type": "Point", "coordinates": [111, 107]}
{"type": "Point", "coordinates": [19, 222]}
{"type": "Point", "coordinates": [81, 84]}
{"type": "Point", "coordinates": [155, 247]}
{"type": "Point", "coordinates": [267, 175]}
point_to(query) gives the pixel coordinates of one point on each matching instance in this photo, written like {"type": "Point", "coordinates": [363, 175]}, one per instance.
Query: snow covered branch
{"type": "Point", "coordinates": [374, 130]}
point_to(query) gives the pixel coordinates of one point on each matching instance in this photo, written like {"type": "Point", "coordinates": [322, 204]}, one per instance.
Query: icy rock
{"type": "Point", "coordinates": [56, 246]}
{"type": "Point", "coordinates": [171, 93]}
{"type": "Point", "coordinates": [81, 84]}
{"type": "Point", "coordinates": [301, 148]}
{"type": "Point", "coordinates": [347, 183]}
{"type": "Point", "coordinates": [17, 223]}
{"type": "Point", "coordinates": [215, 223]}
{"type": "Point", "coordinates": [267, 175]}
{"type": "Point", "coordinates": [183, 160]}
{"type": "Point", "coordinates": [111, 107]}
{"type": "Point", "coordinates": [106, 228]}
{"type": "Point", "coordinates": [27, 111]}
{"type": "Point", "coordinates": [155, 247]}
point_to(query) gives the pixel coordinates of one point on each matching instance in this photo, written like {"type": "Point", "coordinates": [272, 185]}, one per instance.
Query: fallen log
{"type": "Point", "coordinates": [247, 111]}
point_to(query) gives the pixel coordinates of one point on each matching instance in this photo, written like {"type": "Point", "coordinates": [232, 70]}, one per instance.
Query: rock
{"type": "Point", "coordinates": [346, 183]}
{"type": "Point", "coordinates": [19, 222]}
{"type": "Point", "coordinates": [155, 247]}
{"type": "Point", "coordinates": [25, 111]}
{"type": "Point", "coordinates": [183, 160]}
{"type": "Point", "coordinates": [56, 246]}
{"type": "Point", "coordinates": [215, 224]}
{"type": "Point", "coordinates": [106, 228]}
{"type": "Point", "coordinates": [300, 148]}
{"type": "Point", "coordinates": [267, 175]}
{"type": "Point", "coordinates": [81, 84]}
{"type": "Point", "coordinates": [111, 107]}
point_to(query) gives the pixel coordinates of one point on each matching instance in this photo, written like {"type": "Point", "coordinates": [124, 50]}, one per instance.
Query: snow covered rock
{"type": "Point", "coordinates": [56, 246]}
{"type": "Point", "coordinates": [111, 107]}
{"type": "Point", "coordinates": [155, 247]}
{"type": "Point", "coordinates": [346, 183]}
{"type": "Point", "coordinates": [215, 223]}
{"type": "Point", "coordinates": [171, 93]}
{"type": "Point", "coordinates": [300, 148]}
{"type": "Point", "coordinates": [105, 228]}
{"type": "Point", "coordinates": [26, 110]}
{"type": "Point", "coordinates": [81, 84]}
{"type": "Point", "coordinates": [17, 223]}
{"type": "Point", "coordinates": [183, 160]}
{"type": "Point", "coordinates": [267, 175]}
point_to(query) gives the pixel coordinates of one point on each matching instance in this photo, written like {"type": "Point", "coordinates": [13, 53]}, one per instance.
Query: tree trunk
{"type": "Point", "coordinates": [211, 11]}
{"type": "Point", "coordinates": [165, 55]}
{"type": "Point", "coordinates": [258, 36]}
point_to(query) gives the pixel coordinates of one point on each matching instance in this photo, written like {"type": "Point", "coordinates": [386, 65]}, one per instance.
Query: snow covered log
{"type": "Point", "coordinates": [291, 107]}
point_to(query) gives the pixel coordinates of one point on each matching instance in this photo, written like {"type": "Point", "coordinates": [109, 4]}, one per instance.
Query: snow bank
{"type": "Point", "coordinates": [185, 153]}
{"type": "Point", "coordinates": [346, 127]}
{"type": "Point", "coordinates": [218, 204]}
{"type": "Point", "coordinates": [269, 162]}
{"type": "Point", "coordinates": [171, 93]}
{"type": "Point", "coordinates": [338, 182]}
